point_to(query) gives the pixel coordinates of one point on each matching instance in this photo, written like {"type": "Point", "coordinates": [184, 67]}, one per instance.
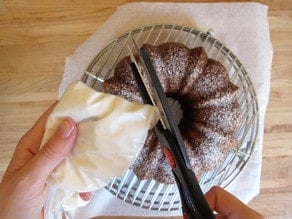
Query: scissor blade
{"type": "Point", "coordinates": [146, 92]}
{"type": "Point", "coordinates": [150, 88]}
{"type": "Point", "coordinates": [154, 92]}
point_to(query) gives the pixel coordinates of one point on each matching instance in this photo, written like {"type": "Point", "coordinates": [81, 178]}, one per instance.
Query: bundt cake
{"type": "Point", "coordinates": [208, 103]}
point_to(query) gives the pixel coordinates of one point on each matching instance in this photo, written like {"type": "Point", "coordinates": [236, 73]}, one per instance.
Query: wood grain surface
{"type": "Point", "coordinates": [37, 35]}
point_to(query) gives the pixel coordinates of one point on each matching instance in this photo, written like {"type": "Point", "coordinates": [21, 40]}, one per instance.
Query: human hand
{"type": "Point", "coordinates": [23, 190]}
{"type": "Point", "coordinates": [229, 207]}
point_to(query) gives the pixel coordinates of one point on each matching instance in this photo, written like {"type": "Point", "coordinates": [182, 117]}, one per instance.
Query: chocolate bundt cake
{"type": "Point", "coordinates": [208, 100]}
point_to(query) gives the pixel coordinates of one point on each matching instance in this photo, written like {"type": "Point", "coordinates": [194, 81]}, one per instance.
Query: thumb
{"type": "Point", "coordinates": [54, 151]}
{"type": "Point", "coordinates": [228, 206]}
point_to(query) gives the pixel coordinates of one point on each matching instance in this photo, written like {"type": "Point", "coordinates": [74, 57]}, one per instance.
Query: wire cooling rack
{"type": "Point", "coordinates": [150, 194]}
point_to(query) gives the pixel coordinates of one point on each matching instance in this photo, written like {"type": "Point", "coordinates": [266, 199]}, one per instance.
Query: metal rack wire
{"type": "Point", "coordinates": [150, 194]}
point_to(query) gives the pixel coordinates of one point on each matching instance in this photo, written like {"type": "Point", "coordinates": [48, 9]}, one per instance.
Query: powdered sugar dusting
{"type": "Point", "coordinates": [211, 113]}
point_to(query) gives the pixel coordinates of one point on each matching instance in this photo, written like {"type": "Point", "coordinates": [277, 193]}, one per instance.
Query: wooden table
{"type": "Point", "coordinates": [37, 35]}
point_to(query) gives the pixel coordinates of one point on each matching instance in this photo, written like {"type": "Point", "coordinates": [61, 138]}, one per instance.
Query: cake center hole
{"type": "Point", "coordinates": [176, 109]}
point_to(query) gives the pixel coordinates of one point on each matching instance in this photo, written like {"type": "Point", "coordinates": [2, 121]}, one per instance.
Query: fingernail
{"type": "Point", "coordinates": [66, 128]}
{"type": "Point", "coordinates": [85, 196]}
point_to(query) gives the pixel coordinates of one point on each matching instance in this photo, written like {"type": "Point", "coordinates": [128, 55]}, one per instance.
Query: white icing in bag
{"type": "Point", "coordinates": [111, 132]}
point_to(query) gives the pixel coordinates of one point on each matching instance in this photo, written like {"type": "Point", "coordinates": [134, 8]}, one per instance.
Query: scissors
{"type": "Point", "coordinates": [194, 204]}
